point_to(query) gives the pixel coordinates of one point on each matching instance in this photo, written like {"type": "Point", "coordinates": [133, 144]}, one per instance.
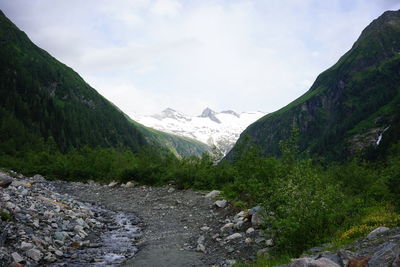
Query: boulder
{"type": "Point", "coordinates": [385, 256]}
{"type": "Point", "coordinates": [257, 215]}
{"type": "Point", "coordinates": [221, 203]}
{"type": "Point", "coordinates": [5, 181]}
{"type": "Point", "coordinates": [213, 194]}
{"type": "Point", "coordinates": [377, 231]}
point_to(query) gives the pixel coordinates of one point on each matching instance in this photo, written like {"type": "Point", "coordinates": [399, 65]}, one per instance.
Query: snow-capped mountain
{"type": "Point", "coordinates": [219, 129]}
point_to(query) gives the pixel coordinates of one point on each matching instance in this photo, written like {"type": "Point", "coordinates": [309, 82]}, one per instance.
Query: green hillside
{"type": "Point", "coordinates": [41, 98]}
{"type": "Point", "coordinates": [349, 105]}
{"type": "Point", "coordinates": [178, 145]}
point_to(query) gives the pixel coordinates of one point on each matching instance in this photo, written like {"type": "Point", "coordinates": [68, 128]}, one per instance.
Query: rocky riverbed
{"type": "Point", "coordinates": [58, 223]}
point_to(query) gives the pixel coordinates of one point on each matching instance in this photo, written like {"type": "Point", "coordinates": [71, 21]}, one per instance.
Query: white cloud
{"type": "Point", "coordinates": [166, 7]}
{"type": "Point", "coordinates": [146, 55]}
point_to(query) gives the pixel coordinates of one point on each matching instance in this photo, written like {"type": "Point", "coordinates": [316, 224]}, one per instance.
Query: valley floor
{"type": "Point", "coordinates": [171, 222]}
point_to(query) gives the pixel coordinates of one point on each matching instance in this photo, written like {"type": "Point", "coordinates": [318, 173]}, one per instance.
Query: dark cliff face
{"type": "Point", "coordinates": [348, 106]}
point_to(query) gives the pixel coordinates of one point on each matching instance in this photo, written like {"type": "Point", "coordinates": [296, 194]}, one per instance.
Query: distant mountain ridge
{"type": "Point", "coordinates": [219, 129]}
{"type": "Point", "coordinates": [352, 107]}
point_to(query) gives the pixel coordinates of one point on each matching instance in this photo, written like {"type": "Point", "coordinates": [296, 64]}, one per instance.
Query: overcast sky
{"type": "Point", "coordinates": [147, 55]}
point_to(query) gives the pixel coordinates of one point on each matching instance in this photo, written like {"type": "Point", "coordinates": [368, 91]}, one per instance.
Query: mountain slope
{"type": "Point", "coordinates": [180, 146]}
{"type": "Point", "coordinates": [42, 99]}
{"type": "Point", "coordinates": [216, 129]}
{"type": "Point", "coordinates": [352, 106]}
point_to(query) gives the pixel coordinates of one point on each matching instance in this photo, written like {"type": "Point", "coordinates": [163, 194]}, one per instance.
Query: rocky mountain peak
{"type": "Point", "coordinates": [172, 114]}
{"type": "Point", "coordinates": [209, 113]}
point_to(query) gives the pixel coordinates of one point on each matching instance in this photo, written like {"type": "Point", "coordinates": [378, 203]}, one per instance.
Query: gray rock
{"type": "Point", "coordinates": [336, 258]}
{"type": "Point", "coordinates": [377, 231]}
{"type": "Point", "coordinates": [385, 256]}
{"type": "Point", "coordinates": [227, 227]}
{"type": "Point", "coordinates": [39, 178]}
{"type": "Point", "coordinates": [26, 245]}
{"type": "Point", "coordinates": [257, 219]}
{"type": "Point", "coordinates": [129, 185]}
{"type": "Point", "coordinates": [171, 190]}
{"type": "Point", "coordinates": [346, 256]}
{"type": "Point", "coordinates": [205, 228]}
{"type": "Point", "coordinates": [112, 184]}
{"type": "Point", "coordinates": [234, 236]}
{"type": "Point", "coordinates": [82, 223]}
{"type": "Point", "coordinates": [59, 253]}
{"type": "Point", "coordinates": [10, 205]}
{"type": "Point", "coordinates": [34, 254]}
{"type": "Point", "coordinates": [201, 247]}
{"type": "Point", "coordinates": [239, 225]}
{"type": "Point", "coordinates": [5, 181]}
{"type": "Point", "coordinates": [213, 194]}
{"type": "Point", "coordinates": [254, 210]}
{"type": "Point", "coordinates": [248, 240]}
{"type": "Point", "coordinates": [221, 203]}
{"type": "Point", "coordinates": [308, 262]}
{"type": "Point", "coordinates": [250, 231]}
{"type": "Point", "coordinates": [257, 215]}
{"type": "Point", "coordinates": [269, 243]}
{"type": "Point", "coordinates": [17, 258]}
{"type": "Point", "coordinates": [60, 236]}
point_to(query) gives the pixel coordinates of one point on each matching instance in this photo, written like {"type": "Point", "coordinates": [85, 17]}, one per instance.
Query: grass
{"type": "Point", "coordinates": [5, 215]}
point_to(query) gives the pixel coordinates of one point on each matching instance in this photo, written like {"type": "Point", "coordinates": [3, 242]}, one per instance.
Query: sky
{"type": "Point", "coordinates": [243, 55]}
